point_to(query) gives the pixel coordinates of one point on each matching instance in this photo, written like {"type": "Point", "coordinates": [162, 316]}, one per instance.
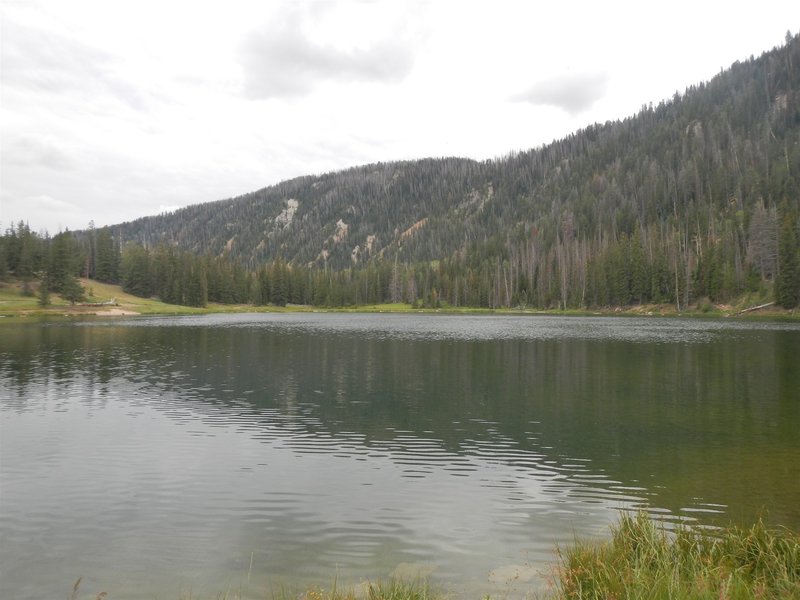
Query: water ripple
{"type": "Point", "coordinates": [188, 447]}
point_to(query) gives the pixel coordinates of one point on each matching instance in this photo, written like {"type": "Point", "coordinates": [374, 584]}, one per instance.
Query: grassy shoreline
{"type": "Point", "coordinates": [14, 304]}
{"type": "Point", "coordinates": [640, 561]}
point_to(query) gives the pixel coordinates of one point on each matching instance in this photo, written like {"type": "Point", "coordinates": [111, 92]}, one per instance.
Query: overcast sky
{"type": "Point", "coordinates": [114, 110]}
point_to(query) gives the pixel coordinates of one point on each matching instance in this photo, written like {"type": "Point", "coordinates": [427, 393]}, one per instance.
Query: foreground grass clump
{"type": "Point", "coordinates": [644, 561]}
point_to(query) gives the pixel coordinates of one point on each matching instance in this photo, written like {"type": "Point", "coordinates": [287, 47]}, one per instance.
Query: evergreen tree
{"type": "Point", "coordinates": [26, 264]}
{"type": "Point", "coordinates": [787, 282]}
{"type": "Point", "coordinates": [279, 293]}
{"type": "Point", "coordinates": [44, 291]}
{"type": "Point", "coordinates": [195, 284]}
{"type": "Point", "coordinates": [639, 280]}
{"type": "Point", "coordinates": [107, 258]}
{"type": "Point", "coordinates": [65, 260]}
{"type": "Point", "coordinates": [90, 242]}
{"type": "Point", "coordinates": [3, 262]}
{"type": "Point", "coordinates": [71, 290]}
{"type": "Point", "coordinates": [135, 269]}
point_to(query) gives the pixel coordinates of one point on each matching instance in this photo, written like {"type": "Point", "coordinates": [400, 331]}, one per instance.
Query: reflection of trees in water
{"type": "Point", "coordinates": [683, 420]}
{"type": "Point", "coordinates": [56, 353]}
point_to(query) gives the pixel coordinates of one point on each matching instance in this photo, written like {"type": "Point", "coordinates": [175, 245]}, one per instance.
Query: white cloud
{"type": "Point", "coordinates": [36, 151]}
{"type": "Point", "coordinates": [37, 210]}
{"type": "Point", "coordinates": [574, 93]}
{"type": "Point", "coordinates": [282, 59]}
{"type": "Point", "coordinates": [44, 202]}
{"type": "Point", "coordinates": [49, 62]}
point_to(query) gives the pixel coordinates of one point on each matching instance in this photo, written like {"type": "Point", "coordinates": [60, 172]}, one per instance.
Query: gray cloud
{"type": "Point", "coordinates": [282, 61]}
{"type": "Point", "coordinates": [44, 61]}
{"type": "Point", "coordinates": [573, 93]}
{"type": "Point", "coordinates": [33, 150]}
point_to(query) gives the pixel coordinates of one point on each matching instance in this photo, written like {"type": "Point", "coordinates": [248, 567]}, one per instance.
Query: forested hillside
{"type": "Point", "coordinates": [694, 198]}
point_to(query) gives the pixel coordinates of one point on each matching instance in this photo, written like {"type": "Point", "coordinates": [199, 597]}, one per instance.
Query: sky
{"type": "Point", "coordinates": [110, 111]}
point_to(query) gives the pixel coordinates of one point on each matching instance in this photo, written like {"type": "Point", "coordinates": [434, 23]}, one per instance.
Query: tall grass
{"type": "Point", "coordinates": [643, 561]}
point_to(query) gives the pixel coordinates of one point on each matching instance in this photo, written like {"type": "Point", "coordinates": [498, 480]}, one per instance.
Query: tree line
{"type": "Point", "coordinates": [624, 271]}
{"type": "Point", "coordinates": [55, 263]}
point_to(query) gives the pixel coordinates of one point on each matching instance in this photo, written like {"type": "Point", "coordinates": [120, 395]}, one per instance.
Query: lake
{"type": "Point", "coordinates": [161, 457]}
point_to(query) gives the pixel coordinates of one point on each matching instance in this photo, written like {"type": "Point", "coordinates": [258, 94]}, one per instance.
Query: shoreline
{"type": "Point", "coordinates": [639, 558]}
{"type": "Point", "coordinates": [109, 301]}
{"type": "Point", "coordinates": [126, 310]}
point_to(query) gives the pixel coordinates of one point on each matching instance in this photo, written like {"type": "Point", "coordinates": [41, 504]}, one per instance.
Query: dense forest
{"type": "Point", "coordinates": [694, 200]}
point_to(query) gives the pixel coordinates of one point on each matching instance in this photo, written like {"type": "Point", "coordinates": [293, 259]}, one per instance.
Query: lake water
{"type": "Point", "coordinates": [162, 457]}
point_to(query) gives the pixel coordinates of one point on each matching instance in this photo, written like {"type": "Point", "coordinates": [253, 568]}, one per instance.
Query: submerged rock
{"type": "Point", "coordinates": [512, 573]}
{"type": "Point", "coordinates": [409, 571]}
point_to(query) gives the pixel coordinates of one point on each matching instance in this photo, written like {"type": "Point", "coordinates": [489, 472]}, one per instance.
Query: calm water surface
{"type": "Point", "coordinates": [157, 457]}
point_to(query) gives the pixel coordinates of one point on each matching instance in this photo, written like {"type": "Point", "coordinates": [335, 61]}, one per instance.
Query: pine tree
{"type": "Point", "coordinates": [787, 282]}
{"type": "Point", "coordinates": [44, 291]}
{"type": "Point", "coordinates": [3, 261]}
{"type": "Point", "coordinates": [72, 290]}
{"type": "Point", "coordinates": [136, 277]}
{"type": "Point", "coordinates": [107, 259]}
{"type": "Point", "coordinates": [26, 265]}
{"type": "Point", "coordinates": [63, 257]}
{"type": "Point", "coordinates": [279, 292]}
